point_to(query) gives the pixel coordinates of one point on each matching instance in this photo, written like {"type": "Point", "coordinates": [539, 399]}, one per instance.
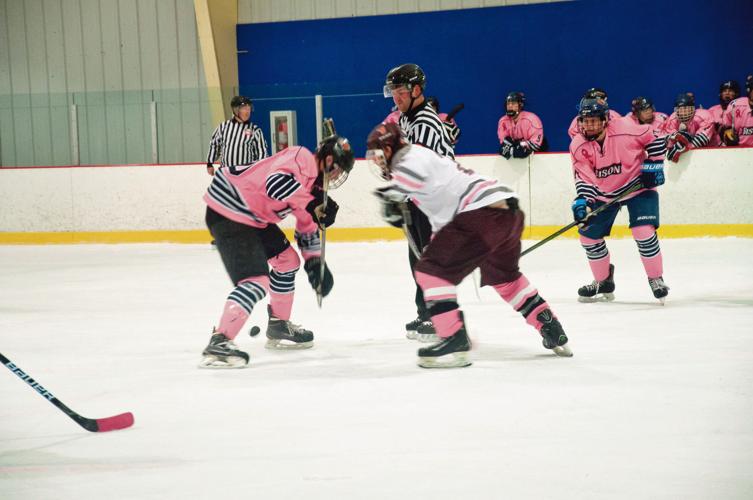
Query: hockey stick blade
{"type": "Point", "coordinates": [114, 423]}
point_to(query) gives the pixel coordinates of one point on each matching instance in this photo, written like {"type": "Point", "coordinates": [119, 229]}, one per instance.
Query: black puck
{"type": "Point", "coordinates": [254, 331]}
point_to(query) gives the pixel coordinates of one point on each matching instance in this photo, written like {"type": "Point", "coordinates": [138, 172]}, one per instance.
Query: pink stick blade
{"type": "Point", "coordinates": [114, 423]}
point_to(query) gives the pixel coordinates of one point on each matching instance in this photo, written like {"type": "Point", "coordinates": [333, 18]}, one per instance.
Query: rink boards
{"type": "Point", "coordinates": [708, 193]}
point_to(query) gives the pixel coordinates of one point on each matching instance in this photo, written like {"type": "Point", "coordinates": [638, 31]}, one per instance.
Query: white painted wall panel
{"type": "Point", "coordinates": [169, 197]}
{"type": "Point", "coordinates": [266, 11]}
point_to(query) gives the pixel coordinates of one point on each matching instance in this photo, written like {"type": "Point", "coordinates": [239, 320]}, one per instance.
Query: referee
{"type": "Point", "coordinates": [422, 125]}
{"type": "Point", "coordinates": [237, 142]}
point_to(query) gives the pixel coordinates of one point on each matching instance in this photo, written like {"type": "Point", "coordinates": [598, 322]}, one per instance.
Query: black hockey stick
{"type": "Point", "coordinates": [113, 423]}
{"type": "Point", "coordinates": [457, 109]}
{"type": "Point", "coordinates": [583, 222]}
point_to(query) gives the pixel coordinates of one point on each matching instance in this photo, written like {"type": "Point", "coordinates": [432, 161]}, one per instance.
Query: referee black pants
{"type": "Point", "coordinates": [420, 231]}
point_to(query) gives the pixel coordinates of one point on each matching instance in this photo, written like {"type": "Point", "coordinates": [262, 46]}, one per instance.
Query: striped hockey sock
{"type": "Point", "coordinates": [240, 303]}
{"type": "Point", "coordinates": [598, 257]}
{"type": "Point", "coordinates": [648, 246]}
{"type": "Point", "coordinates": [524, 298]}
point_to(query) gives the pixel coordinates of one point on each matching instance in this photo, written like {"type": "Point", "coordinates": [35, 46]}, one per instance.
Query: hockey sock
{"type": "Point", "coordinates": [524, 298]}
{"type": "Point", "coordinates": [240, 303]}
{"type": "Point", "coordinates": [285, 265]}
{"type": "Point", "coordinates": [442, 301]}
{"type": "Point", "coordinates": [598, 257]}
{"type": "Point", "coordinates": [648, 247]}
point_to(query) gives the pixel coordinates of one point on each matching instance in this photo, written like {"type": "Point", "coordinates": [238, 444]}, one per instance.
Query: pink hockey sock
{"type": "Point", "coordinates": [598, 257]}
{"type": "Point", "coordinates": [648, 247]}
{"type": "Point", "coordinates": [284, 266]}
{"type": "Point", "coordinates": [240, 303]}
{"type": "Point", "coordinates": [437, 292]}
{"type": "Point", "coordinates": [524, 298]}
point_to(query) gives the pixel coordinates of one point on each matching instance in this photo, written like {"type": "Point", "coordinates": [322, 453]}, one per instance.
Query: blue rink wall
{"type": "Point", "coordinates": [552, 52]}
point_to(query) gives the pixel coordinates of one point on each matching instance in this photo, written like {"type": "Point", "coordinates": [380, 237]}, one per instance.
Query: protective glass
{"type": "Point", "coordinates": [392, 88]}
{"type": "Point", "coordinates": [378, 163]}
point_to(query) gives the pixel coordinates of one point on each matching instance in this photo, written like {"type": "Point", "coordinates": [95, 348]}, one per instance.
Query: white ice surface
{"type": "Point", "coordinates": [657, 402]}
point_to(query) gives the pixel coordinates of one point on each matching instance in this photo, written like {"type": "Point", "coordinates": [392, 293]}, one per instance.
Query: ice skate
{"type": "Point", "coordinates": [660, 289]}
{"type": "Point", "coordinates": [449, 352]}
{"type": "Point", "coordinates": [222, 353]}
{"type": "Point", "coordinates": [282, 335]}
{"type": "Point", "coordinates": [426, 332]}
{"type": "Point", "coordinates": [554, 337]}
{"type": "Point", "coordinates": [598, 291]}
{"type": "Point", "coordinates": [411, 329]}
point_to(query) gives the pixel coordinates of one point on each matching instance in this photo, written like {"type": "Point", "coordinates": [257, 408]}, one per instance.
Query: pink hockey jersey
{"type": "Point", "coordinates": [743, 118]}
{"type": "Point", "coordinates": [393, 117]}
{"type": "Point", "coordinates": [575, 128]}
{"type": "Point", "coordinates": [701, 127]}
{"type": "Point", "coordinates": [526, 128]}
{"type": "Point", "coordinates": [267, 191]}
{"type": "Point", "coordinates": [439, 187]}
{"type": "Point", "coordinates": [659, 118]}
{"type": "Point", "coordinates": [603, 172]}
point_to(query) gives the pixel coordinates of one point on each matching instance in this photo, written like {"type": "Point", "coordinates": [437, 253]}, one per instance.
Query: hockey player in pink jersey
{"type": "Point", "coordinates": [592, 93]}
{"type": "Point", "coordinates": [610, 158]}
{"type": "Point", "coordinates": [475, 222]}
{"type": "Point", "coordinates": [520, 132]}
{"type": "Point", "coordinates": [643, 112]}
{"type": "Point", "coordinates": [728, 92]}
{"type": "Point", "coordinates": [688, 127]}
{"type": "Point", "coordinates": [738, 119]}
{"type": "Point", "coordinates": [244, 205]}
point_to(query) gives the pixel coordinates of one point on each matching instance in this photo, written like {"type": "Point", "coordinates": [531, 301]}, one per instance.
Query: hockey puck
{"type": "Point", "coordinates": [254, 331]}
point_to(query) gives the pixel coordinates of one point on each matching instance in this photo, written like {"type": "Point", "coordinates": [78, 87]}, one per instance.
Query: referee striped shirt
{"type": "Point", "coordinates": [236, 144]}
{"type": "Point", "coordinates": [422, 126]}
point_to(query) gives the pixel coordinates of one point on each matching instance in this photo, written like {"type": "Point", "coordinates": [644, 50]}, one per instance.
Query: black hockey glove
{"type": "Point", "coordinates": [323, 217]}
{"type": "Point", "coordinates": [313, 271]}
{"type": "Point", "coordinates": [390, 203]}
{"type": "Point", "coordinates": [652, 173]}
{"type": "Point", "coordinates": [505, 149]}
{"type": "Point", "coordinates": [729, 136]}
{"type": "Point", "coordinates": [520, 151]}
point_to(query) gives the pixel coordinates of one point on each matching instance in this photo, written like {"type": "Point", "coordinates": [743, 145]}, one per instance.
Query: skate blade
{"type": "Point", "coordinates": [287, 345]}
{"type": "Point", "coordinates": [213, 362]}
{"type": "Point", "coordinates": [563, 351]}
{"type": "Point", "coordinates": [427, 337]}
{"type": "Point", "coordinates": [662, 300]}
{"type": "Point", "coordinates": [411, 334]}
{"type": "Point", "coordinates": [599, 297]}
{"type": "Point", "coordinates": [454, 360]}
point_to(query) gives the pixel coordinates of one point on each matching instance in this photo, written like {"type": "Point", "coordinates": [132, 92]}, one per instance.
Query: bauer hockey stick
{"type": "Point", "coordinates": [583, 222]}
{"type": "Point", "coordinates": [113, 423]}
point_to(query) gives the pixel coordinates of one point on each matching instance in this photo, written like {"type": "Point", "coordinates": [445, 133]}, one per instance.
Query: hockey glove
{"type": "Point", "coordinates": [729, 137]}
{"type": "Point", "coordinates": [520, 150]}
{"type": "Point", "coordinates": [324, 217]}
{"type": "Point", "coordinates": [390, 205]}
{"type": "Point", "coordinates": [505, 149]}
{"type": "Point", "coordinates": [313, 271]}
{"type": "Point", "coordinates": [581, 207]}
{"type": "Point", "coordinates": [652, 174]}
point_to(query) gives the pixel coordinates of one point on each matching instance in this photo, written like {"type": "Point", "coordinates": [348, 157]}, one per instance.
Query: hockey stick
{"type": "Point", "coordinates": [457, 109]}
{"type": "Point", "coordinates": [113, 423]}
{"type": "Point", "coordinates": [583, 222]}
{"type": "Point", "coordinates": [322, 264]}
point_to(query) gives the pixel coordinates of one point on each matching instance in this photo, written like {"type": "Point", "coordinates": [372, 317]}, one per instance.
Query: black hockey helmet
{"type": "Point", "coordinates": [595, 93]}
{"type": "Point", "coordinates": [518, 97]}
{"type": "Point", "coordinates": [730, 85]}
{"type": "Point", "coordinates": [239, 101]}
{"type": "Point", "coordinates": [641, 103]}
{"type": "Point", "coordinates": [339, 148]}
{"type": "Point", "coordinates": [592, 107]}
{"type": "Point", "coordinates": [685, 106]}
{"type": "Point", "coordinates": [433, 102]}
{"type": "Point", "coordinates": [405, 75]}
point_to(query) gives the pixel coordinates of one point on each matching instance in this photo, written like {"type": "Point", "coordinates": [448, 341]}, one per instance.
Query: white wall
{"type": "Point", "coordinates": [707, 187]}
{"type": "Point", "coordinates": [265, 11]}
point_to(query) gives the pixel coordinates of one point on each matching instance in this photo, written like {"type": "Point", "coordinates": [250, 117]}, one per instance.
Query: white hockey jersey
{"type": "Point", "coordinates": [440, 187]}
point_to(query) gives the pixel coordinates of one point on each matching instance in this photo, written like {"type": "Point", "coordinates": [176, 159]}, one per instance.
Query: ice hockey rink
{"type": "Point", "coordinates": [657, 402]}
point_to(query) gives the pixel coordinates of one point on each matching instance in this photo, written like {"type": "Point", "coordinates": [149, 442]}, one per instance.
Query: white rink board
{"type": "Point", "coordinates": [712, 186]}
